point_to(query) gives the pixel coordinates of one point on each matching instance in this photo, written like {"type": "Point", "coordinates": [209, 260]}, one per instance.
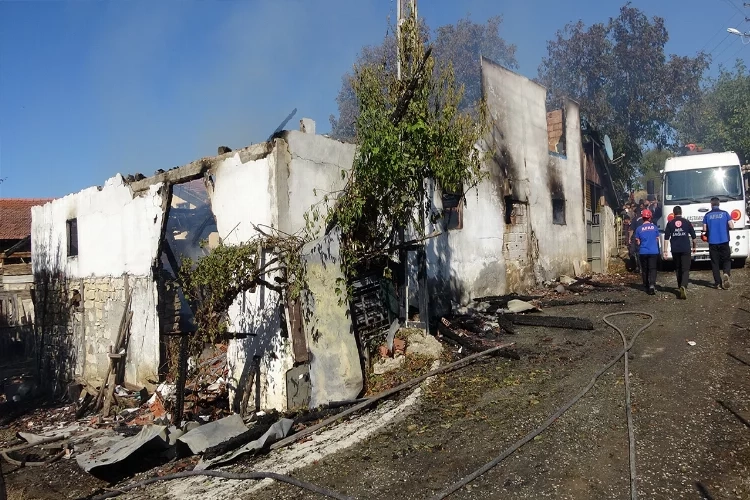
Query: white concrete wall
{"type": "Point", "coordinates": [245, 194]}
{"type": "Point", "coordinates": [560, 247]}
{"type": "Point", "coordinates": [314, 170]}
{"type": "Point", "coordinates": [118, 234]}
{"type": "Point", "coordinates": [275, 191]}
{"type": "Point", "coordinates": [468, 262]}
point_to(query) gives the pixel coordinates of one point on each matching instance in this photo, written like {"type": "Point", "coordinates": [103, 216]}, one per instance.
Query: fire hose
{"type": "Point", "coordinates": [627, 346]}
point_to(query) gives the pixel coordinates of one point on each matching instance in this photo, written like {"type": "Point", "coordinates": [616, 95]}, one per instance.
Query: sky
{"type": "Point", "coordinates": [91, 88]}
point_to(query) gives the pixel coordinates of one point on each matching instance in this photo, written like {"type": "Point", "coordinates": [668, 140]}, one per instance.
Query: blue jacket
{"type": "Point", "coordinates": [648, 237]}
{"type": "Point", "coordinates": [717, 222]}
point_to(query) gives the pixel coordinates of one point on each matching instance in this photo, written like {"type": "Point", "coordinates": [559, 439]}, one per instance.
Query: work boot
{"type": "Point", "coordinates": [651, 291]}
{"type": "Point", "coordinates": [725, 284]}
{"type": "Point", "coordinates": [683, 293]}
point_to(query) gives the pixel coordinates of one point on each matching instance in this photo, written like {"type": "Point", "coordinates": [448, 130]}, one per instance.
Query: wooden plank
{"type": "Point", "coordinates": [299, 341]}
{"type": "Point", "coordinates": [16, 255]}
{"type": "Point", "coordinates": [196, 169]}
{"type": "Point", "coordinates": [127, 314]}
{"type": "Point", "coordinates": [551, 321]}
{"type": "Point", "coordinates": [18, 280]}
{"type": "Point", "coordinates": [17, 269]}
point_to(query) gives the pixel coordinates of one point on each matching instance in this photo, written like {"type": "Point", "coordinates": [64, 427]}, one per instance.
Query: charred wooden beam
{"type": "Point", "coordinates": [507, 298]}
{"type": "Point", "coordinates": [570, 323]}
{"type": "Point", "coordinates": [506, 324]}
{"type": "Point", "coordinates": [196, 169]}
{"type": "Point", "coordinates": [444, 328]}
{"type": "Point", "coordinates": [573, 302]}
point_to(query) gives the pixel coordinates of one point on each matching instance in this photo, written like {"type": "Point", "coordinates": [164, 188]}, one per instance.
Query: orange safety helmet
{"type": "Point", "coordinates": [646, 213]}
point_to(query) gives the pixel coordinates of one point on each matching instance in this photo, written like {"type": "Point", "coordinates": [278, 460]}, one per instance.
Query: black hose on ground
{"type": "Point", "coordinates": [547, 423]}
{"type": "Point", "coordinates": [628, 408]}
{"type": "Point", "coordinates": [228, 475]}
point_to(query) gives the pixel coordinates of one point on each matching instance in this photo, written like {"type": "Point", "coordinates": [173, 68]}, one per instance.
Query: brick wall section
{"type": "Point", "coordinates": [516, 237]}
{"type": "Point", "coordinates": [554, 128]}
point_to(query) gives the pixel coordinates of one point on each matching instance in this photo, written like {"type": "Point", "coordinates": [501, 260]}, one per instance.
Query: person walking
{"type": "Point", "coordinates": [633, 246]}
{"type": "Point", "coordinates": [647, 239]}
{"type": "Point", "coordinates": [716, 226]}
{"type": "Point", "coordinates": [680, 236]}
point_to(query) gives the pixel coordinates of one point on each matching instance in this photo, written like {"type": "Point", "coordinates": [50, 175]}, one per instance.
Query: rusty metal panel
{"type": "Point", "coordinates": [299, 341]}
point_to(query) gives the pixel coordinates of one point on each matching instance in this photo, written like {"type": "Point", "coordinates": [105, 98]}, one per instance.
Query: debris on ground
{"type": "Point", "coordinates": [387, 364]}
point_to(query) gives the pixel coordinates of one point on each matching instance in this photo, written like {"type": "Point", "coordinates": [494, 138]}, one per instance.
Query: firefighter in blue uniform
{"type": "Point", "coordinates": [679, 234]}
{"type": "Point", "coordinates": [716, 225]}
{"type": "Point", "coordinates": [647, 239]}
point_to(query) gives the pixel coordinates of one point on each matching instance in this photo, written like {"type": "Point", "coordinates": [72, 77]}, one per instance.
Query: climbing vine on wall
{"type": "Point", "coordinates": [270, 259]}
{"type": "Point", "coordinates": [409, 130]}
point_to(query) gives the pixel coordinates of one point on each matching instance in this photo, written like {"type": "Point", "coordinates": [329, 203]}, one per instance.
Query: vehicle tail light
{"type": "Point", "coordinates": [736, 215]}
{"type": "Point", "coordinates": [670, 217]}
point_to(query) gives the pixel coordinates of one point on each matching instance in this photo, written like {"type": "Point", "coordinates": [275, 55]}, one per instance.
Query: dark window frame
{"type": "Point", "coordinates": [558, 212]}
{"type": "Point", "coordinates": [71, 237]}
{"type": "Point", "coordinates": [453, 211]}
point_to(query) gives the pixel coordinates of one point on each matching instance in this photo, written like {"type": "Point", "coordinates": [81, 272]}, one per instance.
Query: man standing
{"type": "Point", "coordinates": [680, 234]}
{"type": "Point", "coordinates": [716, 224]}
{"type": "Point", "coordinates": [647, 239]}
{"type": "Point", "coordinates": [635, 223]}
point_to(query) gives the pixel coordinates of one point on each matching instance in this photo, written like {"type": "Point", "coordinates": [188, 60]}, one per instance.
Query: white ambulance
{"type": "Point", "coordinates": [690, 181]}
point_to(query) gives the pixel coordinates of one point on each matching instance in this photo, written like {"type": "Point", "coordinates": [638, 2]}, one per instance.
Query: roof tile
{"type": "Point", "coordinates": [15, 216]}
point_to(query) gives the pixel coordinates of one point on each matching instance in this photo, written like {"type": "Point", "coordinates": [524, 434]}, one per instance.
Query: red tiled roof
{"type": "Point", "coordinates": [15, 216]}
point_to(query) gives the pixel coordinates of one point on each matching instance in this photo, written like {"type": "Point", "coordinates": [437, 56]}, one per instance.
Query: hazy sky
{"type": "Point", "coordinates": [89, 88]}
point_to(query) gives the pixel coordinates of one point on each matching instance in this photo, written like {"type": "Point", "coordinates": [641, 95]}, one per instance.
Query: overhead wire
{"type": "Point", "coordinates": [735, 7]}
{"type": "Point", "coordinates": [734, 56]}
{"type": "Point", "coordinates": [727, 46]}
{"type": "Point", "coordinates": [720, 30]}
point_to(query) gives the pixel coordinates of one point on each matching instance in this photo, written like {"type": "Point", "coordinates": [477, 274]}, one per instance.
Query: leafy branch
{"type": "Point", "coordinates": [214, 283]}
{"type": "Point", "coordinates": [410, 132]}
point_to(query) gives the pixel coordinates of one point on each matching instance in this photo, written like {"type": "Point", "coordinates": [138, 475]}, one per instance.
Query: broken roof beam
{"type": "Point", "coordinates": [198, 168]}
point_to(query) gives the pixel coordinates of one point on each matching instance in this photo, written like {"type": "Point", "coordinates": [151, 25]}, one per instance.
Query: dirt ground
{"type": "Point", "coordinates": [685, 440]}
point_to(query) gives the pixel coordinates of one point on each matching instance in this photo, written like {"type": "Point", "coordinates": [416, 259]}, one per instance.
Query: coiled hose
{"type": "Point", "coordinates": [547, 423]}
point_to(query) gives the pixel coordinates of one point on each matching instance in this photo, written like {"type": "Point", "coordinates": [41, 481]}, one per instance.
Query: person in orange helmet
{"type": "Point", "coordinates": [647, 239]}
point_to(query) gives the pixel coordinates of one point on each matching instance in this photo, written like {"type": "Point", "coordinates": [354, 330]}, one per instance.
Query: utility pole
{"type": "Point", "coordinates": [403, 9]}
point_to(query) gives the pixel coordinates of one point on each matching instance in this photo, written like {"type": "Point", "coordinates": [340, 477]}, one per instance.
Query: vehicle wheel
{"type": "Point", "coordinates": [739, 263]}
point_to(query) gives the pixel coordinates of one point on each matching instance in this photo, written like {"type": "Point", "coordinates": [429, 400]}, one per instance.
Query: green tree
{"type": "Point", "coordinates": [623, 80]}
{"type": "Point", "coordinates": [652, 162]}
{"type": "Point", "coordinates": [460, 44]}
{"type": "Point", "coordinates": [720, 118]}
{"type": "Point", "coordinates": [412, 132]}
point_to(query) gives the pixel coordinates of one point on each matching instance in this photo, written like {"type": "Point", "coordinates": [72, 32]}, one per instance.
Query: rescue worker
{"type": "Point", "coordinates": [678, 235]}
{"type": "Point", "coordinates": [716, 225]}
{"type": "Point", "coordinates": [647, 239]}
{"type": "Point", "coordinates": [632, 245]}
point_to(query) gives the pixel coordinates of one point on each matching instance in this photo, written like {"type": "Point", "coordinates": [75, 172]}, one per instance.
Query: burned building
{"type": "Point", "coordinates": [525, 221]}
{"type": "Point", "coordinates": [117, 247]}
